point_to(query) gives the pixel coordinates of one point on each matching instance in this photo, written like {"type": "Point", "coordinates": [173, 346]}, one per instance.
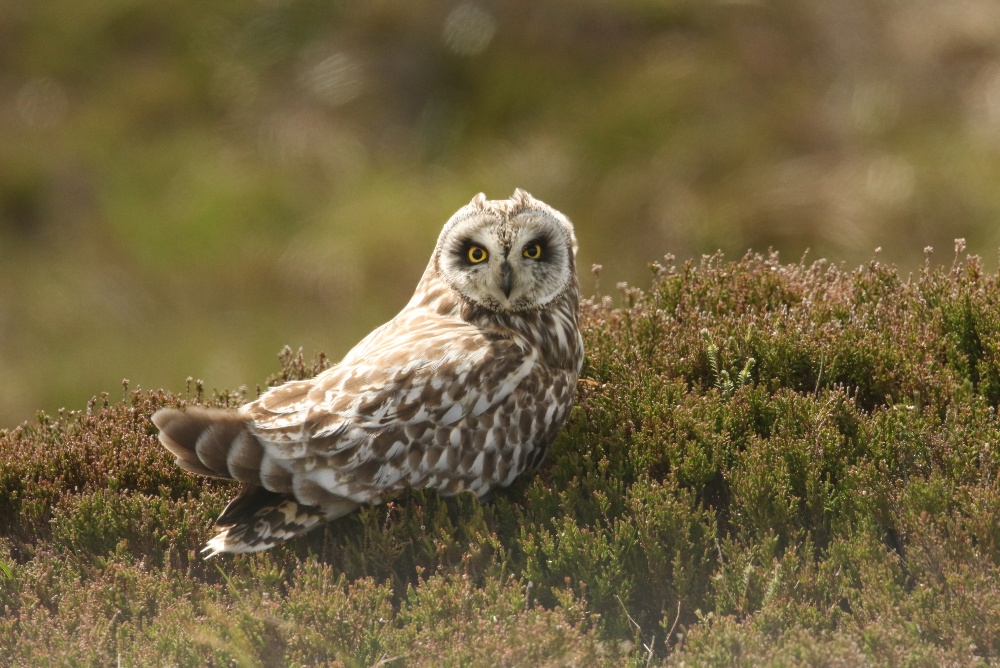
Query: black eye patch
{"type": "Point", "coordinates": [470, 252]}
{"type": "Point", "coordinates": [536, 249]}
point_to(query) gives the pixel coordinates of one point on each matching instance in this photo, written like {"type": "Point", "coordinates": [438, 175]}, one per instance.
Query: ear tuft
{"type": "Point", "coordinates": [479, 201]}
{"type": "Point", "coordinates": [522, 198]}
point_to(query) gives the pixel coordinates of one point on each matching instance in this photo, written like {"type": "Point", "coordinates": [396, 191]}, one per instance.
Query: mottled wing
{"type": "Point", "coordinates": [362, 428]}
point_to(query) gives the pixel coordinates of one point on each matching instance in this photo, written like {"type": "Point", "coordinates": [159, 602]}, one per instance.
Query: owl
{"type": "Point", "coordinates": [460, 392]}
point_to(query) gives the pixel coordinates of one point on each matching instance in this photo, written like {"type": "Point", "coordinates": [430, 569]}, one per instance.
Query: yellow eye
{"type": "Point", "coordinates": [477, 255]}
{"type": "Point", "coordinates": [533, 252]}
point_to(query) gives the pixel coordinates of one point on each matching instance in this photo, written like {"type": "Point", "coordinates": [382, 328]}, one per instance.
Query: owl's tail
{"type": "Point", "coordinates": [212, 442]}
{"type": "Point", "coordinates": [218, 443]}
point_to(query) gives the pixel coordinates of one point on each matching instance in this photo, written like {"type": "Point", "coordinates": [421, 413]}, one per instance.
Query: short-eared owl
{"type": "Point", "coordinates": [463, 390]}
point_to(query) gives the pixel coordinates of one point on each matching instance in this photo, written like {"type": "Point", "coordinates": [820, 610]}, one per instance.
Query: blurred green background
{"type": "Point", "coordinates": [187, 187]}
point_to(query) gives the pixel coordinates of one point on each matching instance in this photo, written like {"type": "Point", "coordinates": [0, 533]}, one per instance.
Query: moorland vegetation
{"type": "Point", "coordinates": [787, 464]}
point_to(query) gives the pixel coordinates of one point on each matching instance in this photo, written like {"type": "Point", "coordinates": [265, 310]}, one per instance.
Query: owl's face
{"type": "Point", "coordinates": [508, 255]}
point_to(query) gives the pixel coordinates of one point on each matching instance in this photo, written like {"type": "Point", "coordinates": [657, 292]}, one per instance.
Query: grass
{"type": "Point", "coordinates": [769, 463]}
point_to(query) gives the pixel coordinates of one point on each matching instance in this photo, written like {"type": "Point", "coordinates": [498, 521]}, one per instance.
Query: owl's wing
{"type": "Point", "coordinates": [366, 411]}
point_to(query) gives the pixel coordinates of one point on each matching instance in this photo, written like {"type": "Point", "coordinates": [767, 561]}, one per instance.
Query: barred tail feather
{"type": "Point", "coordinates": [272, 507]}
{"type": "Point", "coordinates": [259, 519]}
{"type": "Point", "coordinates": [212, 442]}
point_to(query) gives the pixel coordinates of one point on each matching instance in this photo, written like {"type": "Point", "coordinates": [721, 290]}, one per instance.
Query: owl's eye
{"type": "Point", "coordinates": [533, 251]}
{"type": "Point", "coordinates": [477, 255]}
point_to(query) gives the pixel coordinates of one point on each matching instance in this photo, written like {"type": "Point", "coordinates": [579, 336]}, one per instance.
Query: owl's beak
{"type": "Point", "coordinates": [506, 279]}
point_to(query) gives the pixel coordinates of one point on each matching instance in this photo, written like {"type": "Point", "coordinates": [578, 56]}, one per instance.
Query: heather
{"type": "Point", "coordinates": [769, 463]}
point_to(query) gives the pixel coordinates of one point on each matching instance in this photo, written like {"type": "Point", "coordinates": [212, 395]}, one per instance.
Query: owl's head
{"type": "Point", "coordinates": [507, 255]}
